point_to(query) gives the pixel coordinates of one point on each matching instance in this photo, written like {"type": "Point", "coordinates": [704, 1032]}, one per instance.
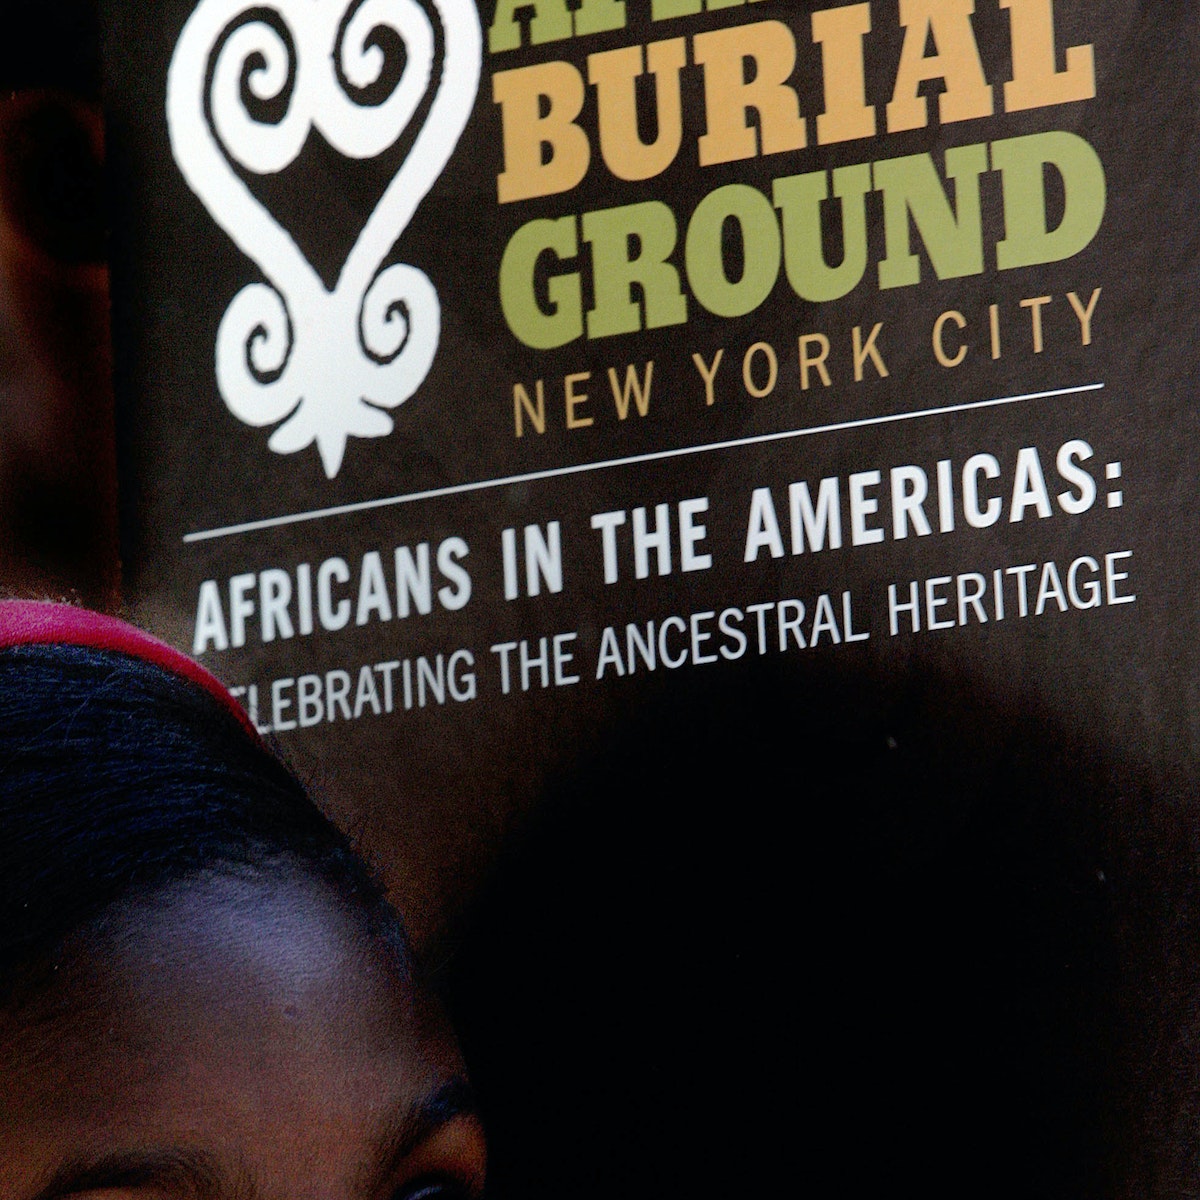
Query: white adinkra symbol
{"type": "Point", "coordinates": [323, 365]}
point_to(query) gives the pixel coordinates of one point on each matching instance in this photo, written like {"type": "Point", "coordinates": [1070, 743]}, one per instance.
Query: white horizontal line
{"type": "Point", "coordinates": [458, 489]}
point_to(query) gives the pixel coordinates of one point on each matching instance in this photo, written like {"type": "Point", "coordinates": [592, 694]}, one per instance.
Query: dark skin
{"type": "Point", "coordinates": [234, 1038]}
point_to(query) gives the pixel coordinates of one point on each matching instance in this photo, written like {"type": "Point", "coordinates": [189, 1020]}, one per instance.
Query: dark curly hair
{"type": "Point", "coordinates": [118, 779]}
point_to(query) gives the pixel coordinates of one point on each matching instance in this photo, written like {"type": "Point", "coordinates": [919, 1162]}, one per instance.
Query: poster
{"type": "Point", "coordinates": [762, 432]}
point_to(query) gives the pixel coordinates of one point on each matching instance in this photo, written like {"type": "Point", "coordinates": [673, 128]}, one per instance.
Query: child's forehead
{"type": "Point", "coordinates": [274, 960]}
{"type": "Point", "coordinates": [237, 1013]}
{"type": "Point", "coordinates": [248, 937]}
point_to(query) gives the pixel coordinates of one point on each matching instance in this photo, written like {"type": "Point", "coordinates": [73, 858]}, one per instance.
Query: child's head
{"type": "Point", "coordinates": [203, 991]}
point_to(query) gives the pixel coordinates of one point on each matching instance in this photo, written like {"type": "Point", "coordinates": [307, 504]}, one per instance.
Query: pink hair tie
{"type": "Point", "coordinates": [42, 623]}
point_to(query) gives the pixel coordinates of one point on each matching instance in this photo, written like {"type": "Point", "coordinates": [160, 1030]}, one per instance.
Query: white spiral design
{"type": "Point", "coordinates": [254, 344]}
{"type": "Point", "coordinates": [386, 325]}
{"type": "Point", "coordinates": [256, 145]}
{"type": "Point", "coordinates": [361, 131]}
{"type": "Point", "coordinates": [329, 361]}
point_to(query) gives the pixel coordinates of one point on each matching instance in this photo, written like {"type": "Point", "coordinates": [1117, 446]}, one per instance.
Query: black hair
{"type": "Point", "coordinates": [118, 779]}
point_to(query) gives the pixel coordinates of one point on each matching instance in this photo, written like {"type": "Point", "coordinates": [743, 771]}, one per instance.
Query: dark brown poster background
{"type": "Point", "coordinates": [931, 879]}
